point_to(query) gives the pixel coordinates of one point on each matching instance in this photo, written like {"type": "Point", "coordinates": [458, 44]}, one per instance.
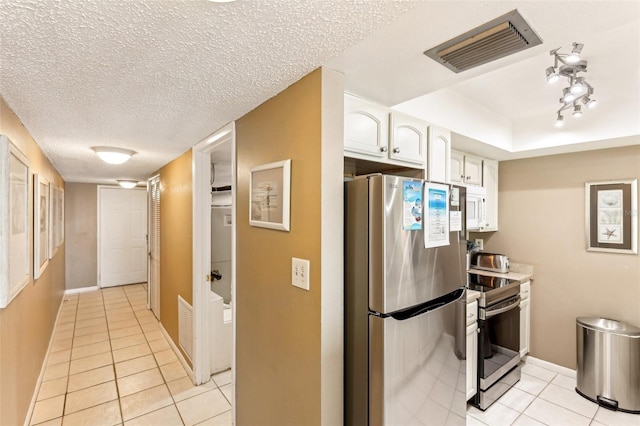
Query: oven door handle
{"type": "Point", "coordinates": [492, 313]}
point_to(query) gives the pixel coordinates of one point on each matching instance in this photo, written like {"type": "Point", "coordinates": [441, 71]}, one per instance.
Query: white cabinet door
{"type": "Point", "coordinates": [438, 154]}
{"type": "Point", "coordinates": [408, 138]}
{"type": "Point", "coordinates": [457, 167]}
{"type": "Point", "coordinates": [472, 360]}
{"type": "Point", "coordinates": [122, 236]}
{"type": "Point", "coordinates": [472, 170]}
{"type": "Point", "coordinates": [490, 183]}
{"type": "Point", "coordinates": [366, 127]}
{"type": "Point", "coordinates": [525, 326]}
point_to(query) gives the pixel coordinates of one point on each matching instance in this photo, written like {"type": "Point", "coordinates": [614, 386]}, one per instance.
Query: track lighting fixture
{"type": "Point", "coordinates": [569, 65]}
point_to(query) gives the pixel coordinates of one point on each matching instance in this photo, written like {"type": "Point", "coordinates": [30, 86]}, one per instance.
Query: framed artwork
{"type": "Point", "coordinates": [270, 195]}
{"type": "Point", "coordinates": [612, 216]}
{"type": "Point", "coordinates": [53, 220]}
{"type": "Point", "coordinates": [60, 216]}
{"type": "Point", "coordinates": [14, 221]}
{"type": "Point", "coordinates": [40, 225]}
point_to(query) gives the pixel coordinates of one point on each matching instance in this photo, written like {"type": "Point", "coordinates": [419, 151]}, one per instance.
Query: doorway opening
{"type": "Point", "coordinates": [214, 256]}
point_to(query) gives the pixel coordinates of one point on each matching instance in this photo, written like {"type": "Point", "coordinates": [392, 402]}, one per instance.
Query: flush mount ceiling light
{"type": "Point", "coordinates": [128, 184]}
{"type": "Point", "coordinates": [569, 65]}
{"type": "Point", "coordinates": [113, 155]}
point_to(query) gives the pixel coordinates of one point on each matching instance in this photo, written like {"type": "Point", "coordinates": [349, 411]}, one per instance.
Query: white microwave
{"type": "Point", "coordinates": [476, 207]}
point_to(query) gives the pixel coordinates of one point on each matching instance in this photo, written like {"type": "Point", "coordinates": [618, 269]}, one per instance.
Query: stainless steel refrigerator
{"type": "Point", "coordinates": [400, 315]}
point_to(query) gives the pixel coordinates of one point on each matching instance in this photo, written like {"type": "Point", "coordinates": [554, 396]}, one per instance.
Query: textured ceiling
{"type": "Point", "coordinates": [158, 76]}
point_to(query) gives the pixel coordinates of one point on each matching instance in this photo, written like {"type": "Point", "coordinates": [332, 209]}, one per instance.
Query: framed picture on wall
{"type": "Point", "coordinates": [612, 216]}
{"type": "Point", "coordinates": [269, 195]}
{"type": "Point", "coordinates": [40, 225]}
{"type": "Point", "coordinates": [60, 216]}
{"type": "Point", "coordinates": [14, 221]}
{"type": "Point", "coordinates": [53, 220]}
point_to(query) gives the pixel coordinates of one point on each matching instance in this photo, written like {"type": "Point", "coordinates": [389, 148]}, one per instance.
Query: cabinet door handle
{"type": "Point", "coordinates": [396, 150]}
{"type": "Point", "coordinates": [468, 177]}
{"type": "Point", "coordinates": [383, 149]}
{"type": "Point", "coordinates": [469, 315]}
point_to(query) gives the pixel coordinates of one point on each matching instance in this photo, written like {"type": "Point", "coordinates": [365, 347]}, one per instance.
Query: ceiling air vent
{"type": "Point", "coordinates": [496, 39]}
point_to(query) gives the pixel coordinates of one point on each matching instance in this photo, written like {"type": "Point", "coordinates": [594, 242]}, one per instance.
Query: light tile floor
{"type": "Point", "coordinates": [544, 397]}
{"type": "Point", "coordinates": [109, 364]}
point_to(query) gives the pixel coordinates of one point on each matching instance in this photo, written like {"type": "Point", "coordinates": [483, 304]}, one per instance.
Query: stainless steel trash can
{"type": "Point", "coordinates": [608, 369]}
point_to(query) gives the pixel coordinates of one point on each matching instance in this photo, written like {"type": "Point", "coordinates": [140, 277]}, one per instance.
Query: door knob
{"type": "Point", "coordinates": [383, 149]}
{"type": "Point", "coordinates": [396, 150]}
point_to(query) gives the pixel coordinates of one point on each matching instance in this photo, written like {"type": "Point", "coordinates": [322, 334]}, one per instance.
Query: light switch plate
{"type": "Point", "coordinates": [300, 273]}
{"type": "Point", "coordinates": [480, 243]}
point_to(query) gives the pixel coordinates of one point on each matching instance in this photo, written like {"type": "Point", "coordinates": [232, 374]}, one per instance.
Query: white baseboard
{"type": "Point", "coordinates": [81, 290]}
{"type": "Point", "coordinates": [550, 366]}
{"type": "Point", "coordinates": [27, 419]}
{"type": "Point", "coordinates": [183, 361]}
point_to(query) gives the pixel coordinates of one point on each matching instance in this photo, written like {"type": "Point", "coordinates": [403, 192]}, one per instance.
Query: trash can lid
{"type": "Point", "coordinates": [609, 325]}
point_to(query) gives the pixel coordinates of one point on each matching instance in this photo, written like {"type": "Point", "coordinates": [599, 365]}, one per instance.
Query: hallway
{"type": "Point", "coordinates": [109, 364]}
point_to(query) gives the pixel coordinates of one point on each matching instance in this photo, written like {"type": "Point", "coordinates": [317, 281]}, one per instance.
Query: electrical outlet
{"type": "Point", "coordinates": [480, 243]}
{"type": "Point", "coordinates": [300, 273]}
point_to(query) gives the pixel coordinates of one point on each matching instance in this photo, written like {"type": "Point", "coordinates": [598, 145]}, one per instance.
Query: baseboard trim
{"type": "Point", "coordinates": [81, 290]}
{"type": "Point", "coordinates": [183, 361]}
{"type": "Point", "coordinates": [551, 366]}
{"type": "Point", "coordinates": [36, 390]}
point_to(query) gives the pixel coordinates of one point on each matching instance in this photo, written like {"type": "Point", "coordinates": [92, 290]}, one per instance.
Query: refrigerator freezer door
{"type": "Point", "coordinates": [413, 370]}
{"type": "Point", "coordinates": [402, 272]}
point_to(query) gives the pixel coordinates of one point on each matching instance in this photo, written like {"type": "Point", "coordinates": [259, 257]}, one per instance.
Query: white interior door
{"type": "Point", "coordinates": [123, 229]}
{"type": "Point", "coordinates": [154, 245]}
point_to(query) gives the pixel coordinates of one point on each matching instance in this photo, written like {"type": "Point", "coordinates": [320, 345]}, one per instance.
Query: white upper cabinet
{"type": "Point", "coordinates": [457, 167]}
{"type": "Point", "coordinates": [408, 138]}
{"type": "Point", "coordinates": [472, 170]}
{"type": "Point", "coordinates": [366, 127]}
{"type": "Point", "coordinates": [438, 154]}
{"type": "Point", "coordinates": [490, 182]}
{"type": "Point", "coordinates": [476, 171]}
{"type": "Point", "coordinates": [466, 169]}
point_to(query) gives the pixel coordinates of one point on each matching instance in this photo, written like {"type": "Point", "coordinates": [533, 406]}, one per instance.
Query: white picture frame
{"type": "Point", "coordinates": [53, 220]}
{"type": "Point", "coordinates": [14, 221]}
{"type": "Point", "coordinates": [40, 225]}
{"type": "Point", "coordinates": [270, 195]}
{"type": "Point", "coordinates": [60, 216]}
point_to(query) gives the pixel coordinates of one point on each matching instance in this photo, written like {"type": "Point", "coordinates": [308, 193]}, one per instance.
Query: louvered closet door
{"type": "Point", "coordinates": [123, 231]}
{"type": "Point", "coordinates": [154, 245]}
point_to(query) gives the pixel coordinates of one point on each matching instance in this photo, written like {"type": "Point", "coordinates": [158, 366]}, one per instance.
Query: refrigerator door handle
{"type": "Point", "coordinates": [423, 308]}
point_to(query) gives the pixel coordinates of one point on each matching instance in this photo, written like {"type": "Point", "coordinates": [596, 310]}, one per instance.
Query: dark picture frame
{"type": "Point", "coordinates": [611, 220]}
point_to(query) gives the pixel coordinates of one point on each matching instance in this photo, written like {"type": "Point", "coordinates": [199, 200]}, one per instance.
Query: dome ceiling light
{"type": "Point", "coordinates": [113, 155]}
{"type": "Point", "coordinates": [569, 65]}
{"type": "Point", "coordinates": [127, 183]}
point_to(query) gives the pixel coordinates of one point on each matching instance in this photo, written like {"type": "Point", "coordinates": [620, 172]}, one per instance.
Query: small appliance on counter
{"type": "Point", "coordinates": [493, 262]}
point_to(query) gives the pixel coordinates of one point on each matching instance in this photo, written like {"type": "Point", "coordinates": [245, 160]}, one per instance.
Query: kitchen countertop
{"type": "Point", "coordinates": [517, 271]}
{"type": "Point", "coordinates": [472, 295]}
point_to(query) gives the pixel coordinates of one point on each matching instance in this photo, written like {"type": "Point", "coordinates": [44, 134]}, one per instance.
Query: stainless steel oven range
{"type": "Point", "coordinates": [499, 338]}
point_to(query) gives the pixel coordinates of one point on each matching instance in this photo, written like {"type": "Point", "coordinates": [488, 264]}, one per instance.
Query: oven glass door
{"type": "Point", "coordinates": [499, 345]}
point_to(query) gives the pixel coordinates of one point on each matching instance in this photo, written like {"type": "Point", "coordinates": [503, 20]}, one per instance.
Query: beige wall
{"type": "Point", "coordinates": [278, 346]}
{"type": "Point", "coordinates": [27, 322]}
{"type": "Point", "coordinates": [175, 240]}
{"type": "Point", "coordinates": [542, 222]}
{"type": "Point", "coordinates": [81, 225]}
